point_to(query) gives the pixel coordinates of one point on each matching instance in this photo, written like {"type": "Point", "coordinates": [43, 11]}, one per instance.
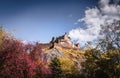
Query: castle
{"type": "Point", "coordinates": [63, 41]}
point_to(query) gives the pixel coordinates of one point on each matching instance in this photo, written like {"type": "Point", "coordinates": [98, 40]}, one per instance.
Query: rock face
{"type": "Point", "coordinates": [59, 46]}
{"type": "Point", "coordinates": [63, 47]}
{"type": "Point", "coordinates": [53, 53]}
{"type": "Point", "coordinates": [64, 42]}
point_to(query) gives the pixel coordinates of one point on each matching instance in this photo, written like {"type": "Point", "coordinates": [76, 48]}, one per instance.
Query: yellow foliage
{"type": "Point", "coordinates": [67, 65]}
{"type": "Point", "coordinates": [2, 35]}
{"type": "Point", "coordinates": [46, 49]}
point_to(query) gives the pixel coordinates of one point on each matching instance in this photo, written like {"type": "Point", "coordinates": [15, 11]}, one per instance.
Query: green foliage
{"type": "Point", "coordinates": [105, 65]}
{"type": "Point", "coordinates": [56, 68]}
{"type": "Point", "coordinates": [111, 63]}
{"type": "Point", "coordinates": [27, 60]}
{"type": "Point", "coordinates": [90, 65]}
{"type": "Point", "coordinates": [104, 61]}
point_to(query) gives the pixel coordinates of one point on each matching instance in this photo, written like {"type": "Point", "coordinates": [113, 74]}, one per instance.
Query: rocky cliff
{"type": "Point", "coordinates": [63, 41]}
{"type": "Point", "coordinates": [63, 47]}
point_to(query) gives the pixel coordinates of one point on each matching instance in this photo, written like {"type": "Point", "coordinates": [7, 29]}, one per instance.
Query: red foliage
{"type": "Point", "coordinates": [15, 63]}
{"type": "Point", "coordinates": [36, 52]}
{"type": "Point", "coordinates": [18, 60]}
{"type": "Point", "coordinates": [42, 68]}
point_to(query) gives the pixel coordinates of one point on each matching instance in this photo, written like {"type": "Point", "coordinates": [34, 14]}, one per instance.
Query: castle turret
{"type": "Point", "coordinates": [77, 45]}
{"type": "Point", "coordinates": [63, 41]}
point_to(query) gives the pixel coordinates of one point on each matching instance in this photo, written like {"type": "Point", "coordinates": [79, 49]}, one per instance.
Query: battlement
{"type": "Point", "coordinates": [64, 41]}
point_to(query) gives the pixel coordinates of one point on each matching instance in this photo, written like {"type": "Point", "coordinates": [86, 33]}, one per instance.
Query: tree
{"type": "Point", "coordinates": [36, 53]}
{"type": "Point", "coordinates": [110, 63]}
{"type": "Point", "coordinates": [89, 66]}
{"type": "Point", "coordinates": [110, 37]}
{"type": "Point", "coordinates": [68, 68]}
{"type": "Point", "coordinates": [56, 68]}
{"type": "Point", "coordinates": [14, 61]}
{"type": "Point", "coordinates": [43, 70]}
{"type": "Point", "coordinates": [104, 60]}
{"type": "Point", "coordinates": [42, 67]}
{"type": "Point", "coordinates": [3, 35]}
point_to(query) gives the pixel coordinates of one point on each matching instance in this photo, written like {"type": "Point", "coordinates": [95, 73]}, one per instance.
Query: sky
{"type": "Point", "coordinates": [40, 20]}
{"type": "Point", "coordinates": [105, 13]}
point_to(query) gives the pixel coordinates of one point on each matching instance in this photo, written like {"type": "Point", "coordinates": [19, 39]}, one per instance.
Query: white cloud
{"type": "Point", "coordinates": [25, 42]}
{"type": "Point", "coordinates": [105, 13]}
{"type": "Point", "coordinates": [81, 35]}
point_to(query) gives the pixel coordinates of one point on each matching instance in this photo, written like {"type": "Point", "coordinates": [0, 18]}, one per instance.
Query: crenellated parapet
{"type": "Point", "coordinates": [64, 41]}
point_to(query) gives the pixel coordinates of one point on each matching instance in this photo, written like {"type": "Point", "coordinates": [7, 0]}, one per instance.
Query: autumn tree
{"type": "Point", "coordinates": [104, 60]}
{"type": "Point", "coordinates": [14, 62]}
{"type": "Point", "coordinates": [110, 63]}
{"type": "Point", "coordinates": [110, 39]}
{"type": "Point", "coordinates": [56, 68]}
{"type": "Point", "coordinates": [3, 35]}
{"type": "Point", "coordinates": [91, 67]}
{"type": "Point", "coordinates": [68, 68]}
{"type": "Point", "coordinates": [19, 60]}
{"type": "Point", "coordinates": [42, 67]}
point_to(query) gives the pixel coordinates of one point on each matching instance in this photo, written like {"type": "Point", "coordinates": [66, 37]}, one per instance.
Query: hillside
{"type": "Point", "coordinates": [62, 47]}
{"type": "Point", "coordinates": [60, 58]}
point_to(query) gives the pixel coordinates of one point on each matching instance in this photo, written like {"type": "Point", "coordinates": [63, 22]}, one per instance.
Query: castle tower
{"type": "Point", "coordinates": [63, 41]}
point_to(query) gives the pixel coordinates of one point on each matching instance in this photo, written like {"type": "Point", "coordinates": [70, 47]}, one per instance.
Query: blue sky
{"type": "Point", "coordinates": [40, 20]}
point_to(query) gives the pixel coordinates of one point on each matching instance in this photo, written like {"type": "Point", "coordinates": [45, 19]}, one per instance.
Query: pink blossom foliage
{"type": "Point", "coordinates": [18, 60]}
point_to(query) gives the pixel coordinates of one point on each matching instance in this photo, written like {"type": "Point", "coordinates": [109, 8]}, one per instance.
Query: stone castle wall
{"type": "Point", "coordinates": [64, 41]}
{"type": "Point", "coordinates": [61, 41]}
